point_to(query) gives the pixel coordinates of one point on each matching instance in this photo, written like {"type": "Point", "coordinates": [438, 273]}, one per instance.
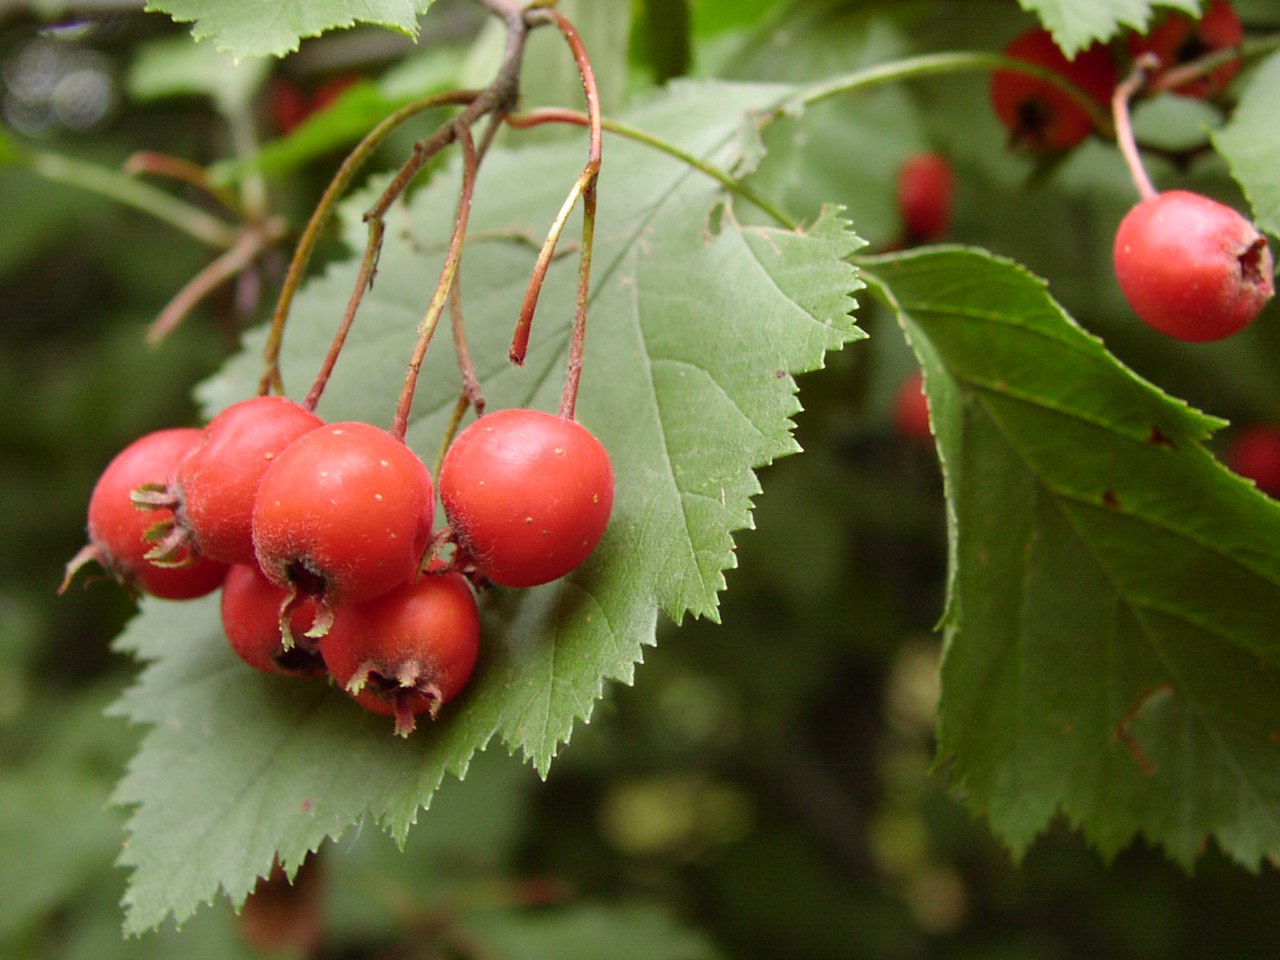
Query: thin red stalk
{"type": "Point", "coordinates": [455, 419]}
{"type": "Point", "coordinates": [1124, 92]}
{"type": "Point", "coordinates": [524, 322]}
{"type": "Point", "coordinates": [364, 280]}
{"type": "Point", "coordinates": [590, 175]}
{"type": "Point", "coordinates": [324, 210]}
{"type": "Point", "coordinates": [584, 186]}
{"type": "Point", "coordinates": [448, 273]}
{"type": "Point", "coordinates": [183, 171]}
{"type": "Point", "coordinates": [577, 344]}
{"type": "Point", "coordinates": [496, 98]}
{"type": "Point", "coordinates": [466, 369]}
{"type": "Point", "coordinates": [249, 244]}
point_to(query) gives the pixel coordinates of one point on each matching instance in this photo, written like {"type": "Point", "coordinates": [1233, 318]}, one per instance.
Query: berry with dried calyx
{"type": "Point", "coordinates": [214, 488]}
{"type": "Point", "coordinates": [410, 650]}
{"type": "Point", "coordinates": [1179, 39]}
{"type": "Point", "coordinates": [251, 621]}
{"type": "Point", "coordinates": [1038, 114]}
{"type": "Point", "coordinates": [342, 515]}
{"type": "Point", "coordinates": [119, 531]}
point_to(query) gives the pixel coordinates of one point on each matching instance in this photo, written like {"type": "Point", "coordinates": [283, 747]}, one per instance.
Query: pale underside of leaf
{"type": "Point", "coordinates": [1075, 24]}
{"type": "Point", "coordinates": [256, 28]}
{"type": "Point", "coordinates": [697, 325]}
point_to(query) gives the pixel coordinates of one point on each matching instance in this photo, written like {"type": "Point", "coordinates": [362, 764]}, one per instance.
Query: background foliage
{"type": "Point", "coordinates": [764, 788]}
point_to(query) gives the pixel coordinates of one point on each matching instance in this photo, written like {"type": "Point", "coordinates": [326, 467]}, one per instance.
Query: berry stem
{"type": "Point", "coordinates": [1124, 92]}
{"type": "Point", "coordinates": [466, 369]}
{"type": "Point", "coordinates": [498, 99]}
{"type": "Point", "coordinates": [929, 64]}
{"type": "Point", "coordinates": [355, 160]}
{"type": "Point", "coordinates": [1178, 76]}
{"type": "Point", "coordinates": [181, 171]}
{"type": "Point", "coordinates": [584, 186]}
{"type": "Point", "coordinates": [117, 186]}
{"type": "Point", "coordinates": [448, 272]}
{"type": "Point", "coordinates": [534, 118]}
{"type": "Point", "coordinates": [252, 241]}
{"type": "Point", "coordinates": [569, 397]}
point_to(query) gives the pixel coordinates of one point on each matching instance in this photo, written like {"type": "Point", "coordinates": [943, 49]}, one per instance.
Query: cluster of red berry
{"type": "Point", "coordinates": [1189, 266]}
{"type": "Point", "coordinates": [321, 537]}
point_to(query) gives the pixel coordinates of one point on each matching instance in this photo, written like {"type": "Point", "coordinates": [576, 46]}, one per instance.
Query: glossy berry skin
{"type": "Point", "coordinates": [251, 621]}
{"type": "Point", "coordinates": [216, 484]}
{"type": "Point", "coordinates": [1179, 39]}
{"type": "Point", "coordinates": [343, 514]}
{"type": "Point", "coordinates": [528, 495]}
{"type": "Point", "coordinates": [1191, 267]}
{"type": "Point", "coordinates": [1255, 453]}
{"type": "Point", "coordinates": [1038, 115]}
{"type": "Point", "coordinates": [911, 410]}
{"type": "Point", "coordinates": [925, 190]}
{"type": "Point", "coordinates": [117, 528]}
{"type": "Point", "coordinates": [410, 650]}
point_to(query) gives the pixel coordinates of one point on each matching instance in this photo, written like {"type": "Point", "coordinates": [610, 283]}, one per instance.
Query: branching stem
{"type": "Point", "coordinates": [448, 273]}
{"type": "Point", "coordinates": [320, 216]}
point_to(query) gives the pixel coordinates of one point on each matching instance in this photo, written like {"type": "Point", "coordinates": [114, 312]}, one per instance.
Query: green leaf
{"type": "Point", "coordinates": [256, 28]}
{"type": "Point", "coordinates": [1077, 23]}
{"type": "Point", "coordinates": [1111, 651]}
{"type": "Point", "coordinates": [1251, 144]}
{"type": "Point", "coordinates": [697, 324]}
{"type": "Point", "coordinates": [174, 67]}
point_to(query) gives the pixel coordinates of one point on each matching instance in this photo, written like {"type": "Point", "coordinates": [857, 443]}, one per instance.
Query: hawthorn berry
{"type": "Point", "coordinates": [251, 621]}
{"type": "Point", "coordinates": [1255, 453]}
{"type": "Point", "coordinates": [911, 409]}
{"type": "Point", "coordinates": [1179, 39]}
{"type": "Point", "coordinates": [1191, 267]}
{"type": "Point", "coordinates": [214, 487]}
{"type": "Point", "coordinates": [343, 515]}
{"type": "Point", "coordinates": [925, 188]}
{"type": "Point", "coordinates": [528, 495]}
{"type": "Point", "coordinates": [408, 651]}
{"type": "Point", "coordinates": [118, 531]}
{"type": "Point", "coordinates": [1039, 115]}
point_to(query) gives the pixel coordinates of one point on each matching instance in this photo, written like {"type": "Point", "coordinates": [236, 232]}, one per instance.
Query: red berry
{"type": "Point", "coordinates": [344, 515]}
{"type": "Point", "coordinates": [527, 494]}
{"type": "Point", "coordinates": [911, 409]}
{"type": "Point", "coordinates": [1191, 267]}
{"type": "Point", "coordinates": [213, 490]}
{"type": "Point", "coordinates": [925, 189]}
{"type": "Point", "coordinates": [288, 104]}
{"type": "Point", "coordinates": [331, 90]}
{"type": "Point", "coordinates": [117, 529]}
{"type": "Point", "coordinates": [1179, 39]}
{"type": "Point", "coordinates": [1255, 453]}
{"type": "Point", "coordinates": [408, 651]}
{"type": "Point", "coordinates": [1039, 115]}
{"type": "Point", "coordinates": [251, 620]}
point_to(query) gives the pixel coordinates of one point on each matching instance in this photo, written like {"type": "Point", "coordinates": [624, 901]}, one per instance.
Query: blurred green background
{"type": "Point", "coordinates": [765, 790]}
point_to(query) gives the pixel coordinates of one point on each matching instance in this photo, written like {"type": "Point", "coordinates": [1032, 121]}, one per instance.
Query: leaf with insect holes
{"type": "Point", "coordinates": [1077, 23]}
{"type": "Point", "coordinates": [258, 28]}
{"type": "Point", "coordinates": [1111, 651]}
{"type": "Point", "coordinates": [697, 324]}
